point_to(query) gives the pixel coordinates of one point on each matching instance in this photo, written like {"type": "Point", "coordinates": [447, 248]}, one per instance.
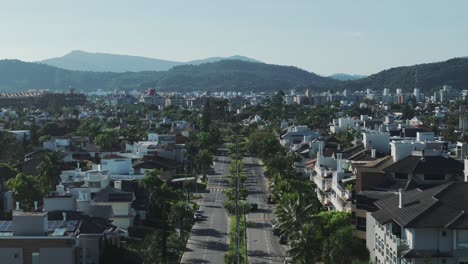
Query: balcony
{"type": "Point", "coordinates": [402, 244]}
{"type": "Point", "coordinates": [344, 193]}
{"type": "Point", "coordinates": [339, 204]}
{"type": "Point", "coordinates": [323, 184]}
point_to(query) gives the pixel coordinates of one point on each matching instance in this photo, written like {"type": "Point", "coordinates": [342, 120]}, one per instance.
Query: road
{"type": "Point", "coordinates": [262, 245]}
{"type": "Point", "coordinates": [208, 239]}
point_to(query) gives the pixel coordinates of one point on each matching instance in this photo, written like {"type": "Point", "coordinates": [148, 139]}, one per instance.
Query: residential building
{"type": "Point", "coordinates": [420, 226]}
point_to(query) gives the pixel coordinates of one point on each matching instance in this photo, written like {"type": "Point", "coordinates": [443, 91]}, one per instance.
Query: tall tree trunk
{"type": "Point", "coordinates": [203, 171]}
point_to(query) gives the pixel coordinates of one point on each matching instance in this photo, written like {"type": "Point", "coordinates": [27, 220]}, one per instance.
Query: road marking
{"type": "Point", "coordinates": [212, 218]}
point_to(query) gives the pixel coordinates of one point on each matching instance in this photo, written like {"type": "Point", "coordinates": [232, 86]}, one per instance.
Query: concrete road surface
{"type": "Point", "coordinates": [208, 239]}
{"type": "Point", "coordinates": [262, 245]}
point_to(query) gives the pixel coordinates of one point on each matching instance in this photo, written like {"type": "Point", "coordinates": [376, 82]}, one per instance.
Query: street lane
{"type": "Point", "coordinates": [208, 239]}
{"type": "Point", "coordinates": [262, 245]}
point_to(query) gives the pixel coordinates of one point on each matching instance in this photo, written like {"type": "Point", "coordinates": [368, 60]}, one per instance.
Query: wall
{"type": "Point", "coordinates": [370, 235]}
{"type": "Point", "coordinates": [60, 204]}
{"type": "Point", "coordinates": [378, 141]}
{"type": "Point", "coordinates": [56, 255]}
{"type": "Point", "coordinates": [89, 245]}
{"type": "Point", "coordinates": [11, 255]}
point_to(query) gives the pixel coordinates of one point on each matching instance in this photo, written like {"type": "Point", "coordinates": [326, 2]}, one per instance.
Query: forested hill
{"type": "Point", "coordinates": [16, 76]}
{"type": "Point", "coordinates": [236, 75]}
{"type": "Point", "coordinates": [430, 76]}
{"type": "Point", "coordinates": [223, 75]}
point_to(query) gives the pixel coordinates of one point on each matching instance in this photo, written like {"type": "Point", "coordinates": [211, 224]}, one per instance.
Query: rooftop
{"type": "Point", "coordinates": [443, 206]}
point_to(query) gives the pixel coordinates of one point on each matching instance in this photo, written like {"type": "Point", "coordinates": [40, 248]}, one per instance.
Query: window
{"type": "Point", "coordinates": [462, 240]}
{"type": "Point", "coordinates": [444, 233]}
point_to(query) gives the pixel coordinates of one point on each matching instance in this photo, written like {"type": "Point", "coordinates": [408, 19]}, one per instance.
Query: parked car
{"type": "Point", "coordinates": [283, 240]}
{"type": "Point", "coordinates": [198, 215]}
{"type": "Point", "coordinates": [270, 199]}
{"type": "Point", "coordinates": [276, 230]}
{"type": "Point", "coordinates": [287, 260]}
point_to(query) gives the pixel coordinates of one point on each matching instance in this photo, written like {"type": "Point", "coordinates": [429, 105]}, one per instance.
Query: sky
{"type": "Point", "coordinates": [321, 36]}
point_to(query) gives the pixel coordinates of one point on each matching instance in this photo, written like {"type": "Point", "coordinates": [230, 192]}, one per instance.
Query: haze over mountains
{"type": "Point", "coordinates": [78, 60]}
{"type": "Point", "coordinates": [346, 77]}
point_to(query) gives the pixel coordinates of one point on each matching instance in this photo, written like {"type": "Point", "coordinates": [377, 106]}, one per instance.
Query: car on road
{"type": "Point", "coordinates": [276, 230]}
{"type": "Point", "coordinates": [270, 199]}
{"type": "Point", "coordinates": [198, 215]}
{"type": "Point", "coordinates": [288, 260]}
{"type": "Point", "coordinates": [283, 240]}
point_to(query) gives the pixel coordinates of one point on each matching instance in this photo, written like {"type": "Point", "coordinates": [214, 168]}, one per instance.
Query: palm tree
{"type": "Point", "coordinates": [160, 197]}
{"type": "Point", "coordinates": [305, 249]}
{"type": "Point", "coordinates": [50, 167]}
{"type": "Point", "coordinates": [204, 159]}
{"type": "Point", "coordinates": [292, 213]}
{"type": "Point", "coordinates": [181, 214]}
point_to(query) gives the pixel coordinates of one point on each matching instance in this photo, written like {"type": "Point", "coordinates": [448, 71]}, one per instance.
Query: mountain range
{"type": "Point", "coordinates": [221, 74]}
{"type": "Point", "coordinates": [78, 60]}
{"type": "Point", "coordinates": [428, 77]}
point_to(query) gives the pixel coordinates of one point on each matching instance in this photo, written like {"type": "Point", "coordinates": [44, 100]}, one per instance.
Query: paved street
{"type": "Point", "coordinates": [262, 245]}
{"type": "Point", "coordinates": [208, 238]}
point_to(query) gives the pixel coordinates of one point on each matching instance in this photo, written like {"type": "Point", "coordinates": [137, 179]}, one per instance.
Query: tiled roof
{"type": "Point", "coordinates": [428, 164]}
{"type": "Point", "coordinates": [443, 206]}
{"type": "Point", "coordinates": [110, 194]}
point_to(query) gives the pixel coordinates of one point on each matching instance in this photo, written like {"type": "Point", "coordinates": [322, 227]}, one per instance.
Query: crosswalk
{"type": "Point", "coordinates": [216, 189]}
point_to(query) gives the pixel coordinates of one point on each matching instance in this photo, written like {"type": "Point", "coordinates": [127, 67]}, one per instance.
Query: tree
{"type": "Point", "coordinates": [153, 254]}
{"type": "Point", "coordinates": [50, 168]}
{"type": "Point", "coordinates": [206, 116]}
{"type": "Point", "coordinates": [305, 248]}
{"type": "Point", "coordinates": [6, 172]}
{"type": "Point", "coordinates": [204, 160]}
{"type": "Point", "coordinates": [160, 198]}
{"type": "Point", "coordinates": [26, 189]}
{"type": "Point", "coordinates": [181, 214]}
{"type": "Point", "coordinates": [342, 246]}
{"type": "Point", "coordinates": [107, 139]}
{"type": "Point", "coordinates": [292, 213]}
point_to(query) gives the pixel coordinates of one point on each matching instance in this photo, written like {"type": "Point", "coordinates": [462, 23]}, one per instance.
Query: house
{"type": "Point", "coordinates": [297, 134]}
{"type": "Point", "coordinates": [420, 226]}
{"type": "Point", "coordinates": [343, 123]}
{"type": "Point", "coordinates": [31, 238]}
{"type": "Point", "coordinates": [375, 180]}
{"type": "Point", "coordinates": [121, 203]}
{"type": "Point", "coordinates": [21, 135]}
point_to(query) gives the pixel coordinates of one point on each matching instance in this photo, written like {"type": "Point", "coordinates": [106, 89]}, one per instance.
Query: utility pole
{"type": "Point", "coordinates": [237, 203]}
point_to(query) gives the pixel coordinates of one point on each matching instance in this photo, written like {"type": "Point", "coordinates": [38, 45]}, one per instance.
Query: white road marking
{"type": "Point", "coordinates": [212, 218]}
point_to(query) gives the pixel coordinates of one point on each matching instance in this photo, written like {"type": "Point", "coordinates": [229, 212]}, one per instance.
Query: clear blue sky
{"type": "Point", "coordinates": [351, 36]}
